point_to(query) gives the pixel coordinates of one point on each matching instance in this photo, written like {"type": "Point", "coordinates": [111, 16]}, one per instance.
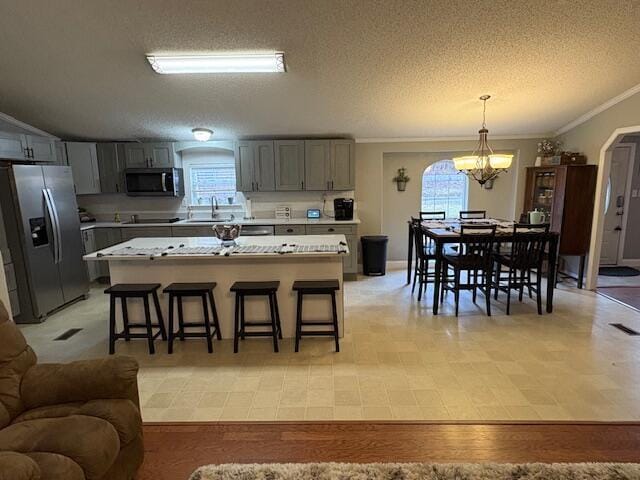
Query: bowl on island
{"type": "Point", "coordinates": [227, 234]}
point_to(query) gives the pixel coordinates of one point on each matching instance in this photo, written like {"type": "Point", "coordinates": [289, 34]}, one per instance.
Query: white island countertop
{"type": "Point", "coordinates": [239, 221]}
{"type": "Point", "coordinates": [172, 248]}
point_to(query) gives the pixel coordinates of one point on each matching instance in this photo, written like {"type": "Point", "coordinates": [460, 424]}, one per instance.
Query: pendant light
{"type": "Point", "coordinates": [483, 165]}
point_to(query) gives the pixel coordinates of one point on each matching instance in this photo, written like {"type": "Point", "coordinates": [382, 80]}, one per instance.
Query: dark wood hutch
{"type": "Point", "coordinates": [566, 194]}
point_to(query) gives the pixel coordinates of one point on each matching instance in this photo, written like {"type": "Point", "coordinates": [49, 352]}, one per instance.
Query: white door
{"type": "Point", "coordinates": [614, 207]}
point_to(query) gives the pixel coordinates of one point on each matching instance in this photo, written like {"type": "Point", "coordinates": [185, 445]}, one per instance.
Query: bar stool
{"type": "Point", "coordinates": [124, 291]}
{"type": "Point", "coordinates": [316, 287]}
{"type": "Point", "coordinates": [253, 289]}
{"type": "Point", "coordinates": [205, 292]}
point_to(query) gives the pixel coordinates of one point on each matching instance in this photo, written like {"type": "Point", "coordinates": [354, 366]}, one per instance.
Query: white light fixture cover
{"type": "Point", "coordinates": [202, 134]}
{"type": "Point", "coordinates": [233, 63]}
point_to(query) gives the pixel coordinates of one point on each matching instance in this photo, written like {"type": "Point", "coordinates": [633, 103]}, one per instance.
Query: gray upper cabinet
{"type": "Point", "coordinates": [150, 155]}
{"type": "Point", "coordinates": [317, 166]}
{"type": "Point", "coordinates": [18, 146]}
{"type": "Point", "coordinates": [255, 166]}
{"type": "Point", "coordinates": [83, 160]}
{"type": "Point", "coordinates": [13, 146]}
{"type": "Point", "coordinates": [61, 154]}
{"type": "Point", "coordinates": [110, 166]}
{"type": "Point", "coordinates": [42, 149]}
{"type": "Point", "coordinates": [343, 170]}
{"type": "Point", "coordinates": [289, 164]}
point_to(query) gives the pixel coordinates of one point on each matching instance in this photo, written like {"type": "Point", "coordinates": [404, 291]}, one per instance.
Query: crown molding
{"type": "Point", "coordinates": [25, 126]}
{"type": "Point", "coordinates": [448, 139]}
{"type": "Point", "coordinates": [599, 109]}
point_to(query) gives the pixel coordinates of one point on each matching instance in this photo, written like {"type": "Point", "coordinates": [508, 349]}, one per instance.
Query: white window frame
{"type": "Point", "coordinates": [465, 200]}
{"type": "Point", "coordinates": [187, 164]}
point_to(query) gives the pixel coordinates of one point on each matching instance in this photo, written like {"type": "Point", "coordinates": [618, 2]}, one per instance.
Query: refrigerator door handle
{"type": "Point", "coordinates": [55, 224]}
{"type": "Point", "coordinates": [164, 182]}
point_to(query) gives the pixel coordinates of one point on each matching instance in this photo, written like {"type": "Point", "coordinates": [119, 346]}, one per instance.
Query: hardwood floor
{"type": "Point", "coordinates": [173, 451]}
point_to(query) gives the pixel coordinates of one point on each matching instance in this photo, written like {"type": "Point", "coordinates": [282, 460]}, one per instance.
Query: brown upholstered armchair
{"type": "Point", "coordinates": [78, 421]}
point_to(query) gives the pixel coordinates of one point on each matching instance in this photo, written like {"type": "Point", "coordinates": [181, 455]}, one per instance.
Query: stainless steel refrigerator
{"type": "Point", "coordinates": [43, 233]}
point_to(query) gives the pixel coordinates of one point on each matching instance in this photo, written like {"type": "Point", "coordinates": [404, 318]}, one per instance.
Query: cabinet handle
{"type": "Point", "coordinates": [26, 152]}
{"type": "Point", "coordinates": [289, 230]}
{"type": "Point", "coordinates": [302, 185]}
{"type": "Point", "coordinates": [31, 150]}
{"type": "Point", "coordinates": [331, 230]}
{"type": "Point", "coordinates": [331, 184]}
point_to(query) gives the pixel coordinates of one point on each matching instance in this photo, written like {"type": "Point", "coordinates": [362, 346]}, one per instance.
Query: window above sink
{"type": "Point", "coordinates": [209, 173]}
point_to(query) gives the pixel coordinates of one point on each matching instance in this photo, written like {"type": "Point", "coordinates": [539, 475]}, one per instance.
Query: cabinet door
{"type": "Point", "coordinates": [109, 168]}
{"type": "Point", "coordinates": [83, 161]}
{"type": "Point", "coordinates": [316, 164]}
{"type": "Point", "coordinates": [13, 146]}
{"type": "Point", "coordinates": [160, 155]}
{"type": "Point", "coordinates": [350, 262]}
{"type": "Point", "coordinates": [43, 149]}
{"type": "Point", "coordinates": [342, 165]}
{"type": "Point", "coordinates": [245, 160]}
{"type": "Point", "coordinates": [61, 154]}
{"type": "Point", "coordinates": [135, 155]}
{"type": "Point", "coordinates": [89, 246]}
{"type": "Point", "coordinates": [264, 167]}
{"type": "Point", "coordinates": [289, 164]}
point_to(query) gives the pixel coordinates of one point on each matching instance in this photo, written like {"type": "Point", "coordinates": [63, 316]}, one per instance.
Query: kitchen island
{"type": "Point", "coordinates": [204, 259]}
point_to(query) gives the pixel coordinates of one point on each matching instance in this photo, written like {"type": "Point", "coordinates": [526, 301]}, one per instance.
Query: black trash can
{"type": "Point", "coordinates": [374, 254]}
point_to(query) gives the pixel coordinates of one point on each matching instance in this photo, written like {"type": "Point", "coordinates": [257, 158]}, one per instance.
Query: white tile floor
{"type": "Point", "coordinates": [397, 361]}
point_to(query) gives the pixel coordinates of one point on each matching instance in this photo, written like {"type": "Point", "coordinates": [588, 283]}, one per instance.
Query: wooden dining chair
{"type": "Point", "coordinates": [524, 260]}
{"type": "Point", "coordinates": [475, 257]}
{"type": "Point", "coordinates": [433, 215]}
{"type": "Point", "coordinates": [472, 214]}
{"type": "Point", "coordinates": [425, 253]}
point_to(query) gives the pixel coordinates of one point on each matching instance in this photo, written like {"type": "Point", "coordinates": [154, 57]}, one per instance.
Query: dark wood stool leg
{"type": "Point", "coordinates": [298, 320]}
{"type": "Point", "coordinates": [274, 324]}
{"type": "Point", "coordinates": [236, 324]}
{"type": "Point", "coordinates": [207, 324]}
{"type": "Point", "coordinates": [336, 333]}
{"type": "Point", "coordinates": [216, 323]}
{"type": "Point", "coordinates": [125, 318]}
{"type": "Point", "coordinates": [112, 323]}
{"type": "Point", "coordinates": [147, 317]}
{"type": "Point", "coordinates": [171, 332]}
{"type": "Point", "coordinates": [275, 304]}
{"type": "Point", "coordinates": [242, 319]}
{"type": "Point", "coordinates": [180, 319]}
{"type": "Point", "coordinates": [159, 316]}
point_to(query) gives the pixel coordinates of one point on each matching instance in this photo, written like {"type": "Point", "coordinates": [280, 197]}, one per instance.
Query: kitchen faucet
{"type": "Point", "coordinates": [214, 206]}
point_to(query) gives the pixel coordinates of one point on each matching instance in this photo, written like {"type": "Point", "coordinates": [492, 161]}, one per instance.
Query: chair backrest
{"type": "Point", "coordinates": [467, 214]}
{"type": "Point", "coordinates": [476, 243]}
{"type": "Point", "coordinates": [433, 215]}
{"type": "Point", "coordinates": [528, 245]}
{"type": "Point", "coordinates": [418, 236]}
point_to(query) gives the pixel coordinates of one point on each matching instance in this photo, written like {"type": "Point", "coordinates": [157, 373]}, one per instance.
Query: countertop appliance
{"type": "Point", "coordinates": [343, 208]}
{"type": "Point", "coordinates": [154, 182]}
{"type": "Point", "coordinates": [43, 233]}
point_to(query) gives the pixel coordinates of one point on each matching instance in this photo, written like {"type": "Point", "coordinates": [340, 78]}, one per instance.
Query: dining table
{"type": "Point", "coordinates": [447, 231]}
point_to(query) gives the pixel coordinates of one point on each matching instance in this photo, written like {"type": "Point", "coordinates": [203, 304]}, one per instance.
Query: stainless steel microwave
{"type": "Point", "coordinates": [154, 182]}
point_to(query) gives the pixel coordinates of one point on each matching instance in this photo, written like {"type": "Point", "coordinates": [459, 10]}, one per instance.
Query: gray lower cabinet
{"type": "Point", "coordinates": [148, 232]}
{"type": "Point", "coordinates": [104, 238]}
{"type": "Point", "coordinates": [200, 231]}
{"type": "Point", "coordinates": [350, 262]}
{"type": "Point", "coordinates": [290, 230]}
{"type": "Point", "coordinates": [83, 160]}
{"type": "Point", "coordinates": [89, 246]}
{"type": "Point", "coordinates": [110, 166]}
{"type": "Point", "coordinates": [150, 155]}
{"type": "Point", "coordinates": [255, 166]}
{"type": "Point", "coordinates": [289, 165]}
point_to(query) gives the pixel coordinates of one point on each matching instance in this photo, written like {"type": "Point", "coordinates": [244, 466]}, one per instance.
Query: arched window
{"type": "Point", "coordinates": [444, 189]}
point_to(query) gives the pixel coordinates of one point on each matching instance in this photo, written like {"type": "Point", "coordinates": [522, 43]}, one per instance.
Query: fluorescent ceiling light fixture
{"type": "Point", "coordinates": [233, 63]}
{"type": "Point", "coordinates": [202, 134]}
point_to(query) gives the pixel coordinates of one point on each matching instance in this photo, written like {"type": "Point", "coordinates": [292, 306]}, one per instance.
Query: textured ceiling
{"type": "Point", "coordinates": [366, 68]}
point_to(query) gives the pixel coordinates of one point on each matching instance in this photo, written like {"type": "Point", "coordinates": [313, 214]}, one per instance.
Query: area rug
{"type": "Point", "coordinates": [420, 471]}
{"type": "Point", "coordinates": [618, 271]}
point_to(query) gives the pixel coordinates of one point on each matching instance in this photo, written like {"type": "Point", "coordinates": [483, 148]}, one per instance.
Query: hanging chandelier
{"type": "Point", "coordinates": [483, 165]}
